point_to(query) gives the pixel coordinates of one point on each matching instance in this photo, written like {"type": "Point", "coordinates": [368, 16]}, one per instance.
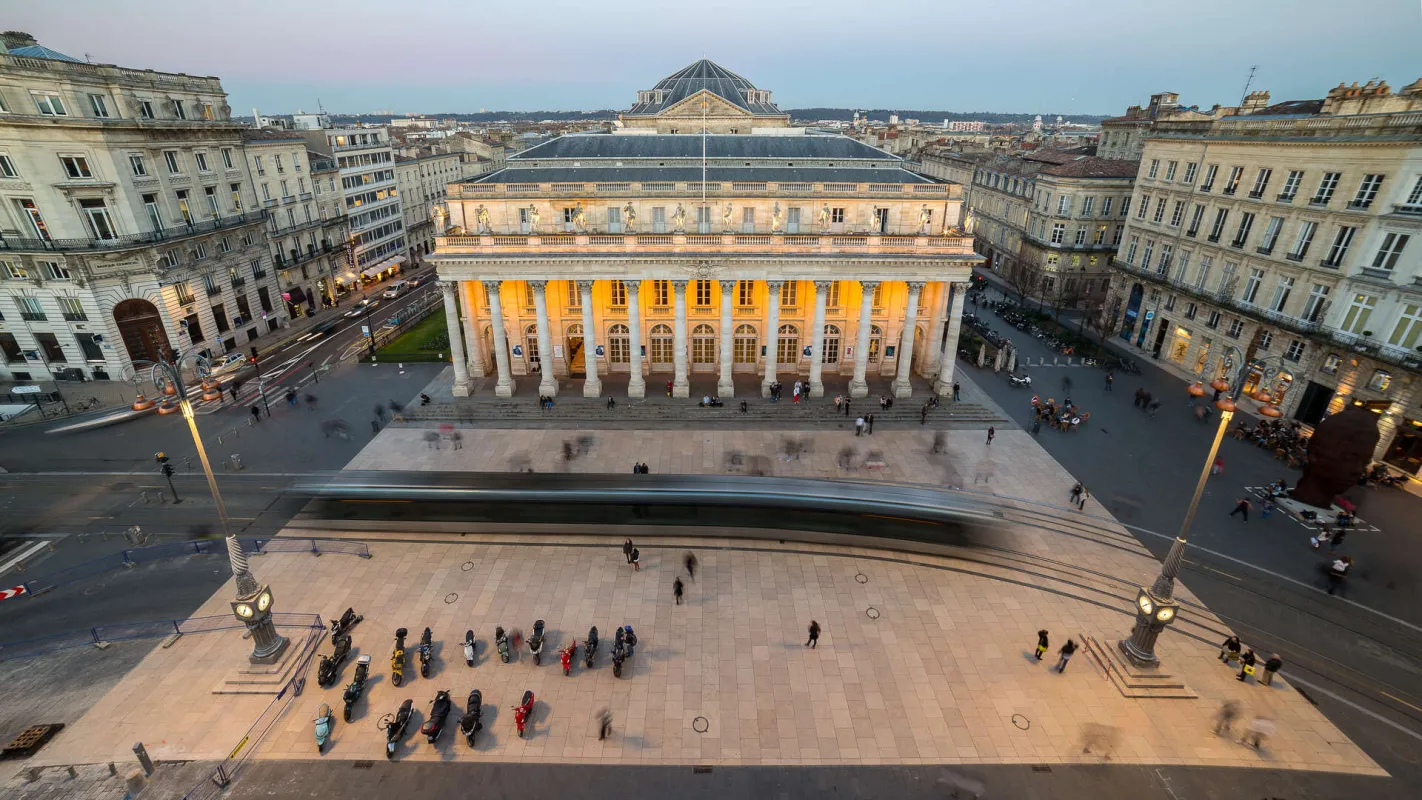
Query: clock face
{"type": "Point", "coordinates": [1166, 614]}
{"type": "Point", "coordinates": [1145, 604]}
{"type": "Point", "coordinates": [244, 611]}
{"type": "Point", "coordinates": [264, 601]}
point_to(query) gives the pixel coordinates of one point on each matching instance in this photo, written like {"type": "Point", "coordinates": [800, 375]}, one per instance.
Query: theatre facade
{"type": "Point", "coordinates": [705, 235]}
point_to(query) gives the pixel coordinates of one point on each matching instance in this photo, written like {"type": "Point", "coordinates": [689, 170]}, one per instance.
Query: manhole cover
{"type": "Point", "coordinates": [451, 597]}
{"type": "Point", "coordinates": [1021, 722]}
{"type": "Point", "coordinates": [861, 578]}
{"type": "Point", "coordinates": [466, 566]}
{"type": "Point", "coordinates": [701, 725]}
{"type": "Point", "coordinates": [871, 612]}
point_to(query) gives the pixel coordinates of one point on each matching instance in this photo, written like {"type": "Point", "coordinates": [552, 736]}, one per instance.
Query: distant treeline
{"type": "Point", "coordinates": [845, 114]}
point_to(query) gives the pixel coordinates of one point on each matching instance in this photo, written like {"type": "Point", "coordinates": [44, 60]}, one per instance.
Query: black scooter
{"type": "Point", "coordinates": [471, 648]}
{"type": "Point", "coordinates": [439, 711]}
{"type": "Point", "coordinates": [395, 727]}
{"type": "Point", "coordinates": [342, 627]}
{"type": "Point", "coordinates": [426, 653]}
{"type": "Point", "coordinates": [591, 647]}
{"type": "Point", "coordinates": [473, 710]}
{"type": "Point", "coordinates": [330, 668]}
{"type": "Point", "coordinates": [535, 642]}
{"type": "Point", "coordinates": [501, 641]}
{"type": "Point", "coordinates": [357, 686]}
{"type": "Point", "coordinates": [619, 654]}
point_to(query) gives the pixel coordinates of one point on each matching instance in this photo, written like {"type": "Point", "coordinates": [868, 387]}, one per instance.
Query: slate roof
{"type": "Point", "coordinates": [40, 51]}
{"type": "Point", "coordinates": [718, 146]}
{"type": "Point", "coordinates": [708, 75]}
{"type": "Point", "coordinates": [714, 173]}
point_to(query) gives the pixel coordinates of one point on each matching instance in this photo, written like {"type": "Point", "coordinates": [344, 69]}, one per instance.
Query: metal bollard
{"type": "Point", "coordinates": [143, 760]}
{"type": "Point", "coordinates": [236, 462]}
{"type": "Point", "coordinates": [73, 773]}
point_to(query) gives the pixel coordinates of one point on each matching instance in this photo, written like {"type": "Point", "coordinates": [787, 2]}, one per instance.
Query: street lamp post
{"type": "Point", "coordinates": [1155, 606]}
{"type": "Point", "coordinates": [369, 332]}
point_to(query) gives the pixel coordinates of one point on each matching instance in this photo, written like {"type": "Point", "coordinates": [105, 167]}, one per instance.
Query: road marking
{"type": "Point", "coordinates": [1400, 700]}
{"type": "Point", "coordinates": [24, 554]}
{"type": "Point", "coordinates": [1313, 687]}
{"type": "Point", "coordinates": [1212, 569]}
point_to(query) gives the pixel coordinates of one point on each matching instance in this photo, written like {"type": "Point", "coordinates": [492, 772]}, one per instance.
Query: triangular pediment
{"type": "Point", "coordinates": [691, 107]}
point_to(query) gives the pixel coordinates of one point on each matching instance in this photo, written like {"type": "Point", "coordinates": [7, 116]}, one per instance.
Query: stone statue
{"type": "Point", "coordinates": [824, 219]}
{"type": "Point", "coordinates": [629, 215]}
{"type": "Point", "coordinates": [726, 219]}
{"type": "Point", "coordinates": [438, 216]}
{"type": "Point", "coordinates": [481, 217]}
{"type": "Point", "coordinates": [775, 218]}
{"type": "Point", "coordinates": [970, 223]}
{"type": "Point", "coordinates": [1338, 452]}
{"type": "Point", "coordinates": [580, 219]}
{"type": "Point", "coordinates": [924, 215]}
{"type": "Point", "coordinates": [533, 216]}
{"type": "Point", "coordinates": [679, 219]}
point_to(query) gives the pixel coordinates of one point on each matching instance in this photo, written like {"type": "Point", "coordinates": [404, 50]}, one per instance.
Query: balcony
{"type": "Point", "coordinates": [1286, 198]}
{"type": "Point", "coordinates": [238, 281]}
{"type": "Point", "coordinates": [269, 203]}
{"type": "Point", "coordinates": [76, 316]}
{"type": "Point", "coordinates": [304, 195]}
{"type": "Point", "coordinates": [1398, 356]}
{"type": "Point", "coordinates": [957, 245]}
{"type": "Point", "coordinates": [186, 299]}
{"type": "Point", "coordinates": [33, 316]}
{"type": "Point", "coordinates": [259, 274]}
{"type": "Point", "coordinates": [288, 199]}
{"type": "Point", "coordinates": [476, 191]}
{"type": "Point", "coordinates": [213, 291]}
{"type": "Point", "coordinates": [132, 240]}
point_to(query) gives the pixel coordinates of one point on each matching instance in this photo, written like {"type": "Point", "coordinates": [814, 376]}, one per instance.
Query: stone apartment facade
{"type": "Point", "coordinates": [422, 178]}
{"type": "Point", "coordinates": [1284, 238]}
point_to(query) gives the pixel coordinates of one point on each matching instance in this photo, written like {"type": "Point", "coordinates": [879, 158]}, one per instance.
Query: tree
{"type": "Point", "coordinates": [1023, 280]}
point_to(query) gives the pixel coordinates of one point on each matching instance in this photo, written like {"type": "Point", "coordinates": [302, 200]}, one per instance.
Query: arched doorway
{"type": "Point", "coordinates": [141, 328]}
{"type": "Point", "coordinates": [577, 368]}
{"type": "Point", "coordinates": [745, 348]}
{"type": "Point", "coordinates": [703, 348]}
{"type": "Point", "coordinates": [829, 354]}
{"type": "Point", "coordinates": [531, 354]}
{"type": "Point", "coordinates": [663, 348]}
{"type": "Point", "coordinates": [787, 346]}
{"type": "Point", "coordinates": [876, 343]}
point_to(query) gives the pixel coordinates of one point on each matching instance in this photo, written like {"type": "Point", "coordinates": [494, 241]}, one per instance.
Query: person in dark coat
{"type": "Point", "coordinates": [1246, 665]}
{"type": "Point", "coordinates": [1229, 651]}
{"type": "Point", "coordinates": [636, 560]}
{"type": "Point", "coordinates": [1042, 644]}
{"type": "Point", "coordinates": [1270, 667]}
{"type": "Point", "coordinates": [814, 635]}
{"type": "Point", "coordinates": [677, 588]}
{"type": "Point", "coordinates": [1065, 653]}
{"type": "Point", "coordinates": [627, 545]}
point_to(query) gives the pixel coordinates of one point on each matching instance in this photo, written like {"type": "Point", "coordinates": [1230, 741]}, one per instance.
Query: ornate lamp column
{"type": "Point", "coordinates": [253, 607]}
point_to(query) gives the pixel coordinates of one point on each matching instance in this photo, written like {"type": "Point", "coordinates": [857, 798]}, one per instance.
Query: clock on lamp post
{"type": "Point", "coordinates": [254, 609]}
{"type": "Point", "coordinates": [1153, 614]}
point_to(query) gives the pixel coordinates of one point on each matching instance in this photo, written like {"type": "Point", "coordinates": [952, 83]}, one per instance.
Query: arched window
{"type": "Point", "coordinates": [829, 354]}
{"type": "Point", "coordinates": [530, 348]}
{"type": "Point", "coordinates": [576, 329]}
{"type": "Point", "coordinates": [745, 345]}
{"type": "Point", "coordinates": [787, 349]}
{"type": "Point", "coordinates": [662, 350]}
{"type": "Point", "coordinates": [876, 342]}
{"type": "Point", "coordinates": [618, 349]}
{"type": "Point", "coordinates": [703, 344]}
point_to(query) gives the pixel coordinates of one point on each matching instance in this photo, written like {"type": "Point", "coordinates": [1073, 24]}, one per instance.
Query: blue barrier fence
{"type": "Point", "coordinates": [139, 555]}
{"type": "Point", "coordinates": [154, 629]}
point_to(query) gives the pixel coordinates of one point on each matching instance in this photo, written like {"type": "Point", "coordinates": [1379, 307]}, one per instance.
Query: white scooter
{"type": "Point", "coordinates": [325, 723]}
{"type": "Point", "coordinates": [470, 646]}
{"type": "Point", "coordinates": [1020, 380]}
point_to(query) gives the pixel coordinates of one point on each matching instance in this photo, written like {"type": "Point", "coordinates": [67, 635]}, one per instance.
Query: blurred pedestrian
{"type": "Point", "coordinates": [604, 724]}
{"type": "Point", "coordinates": [374, 427]}
{"type": "Point", "coordinates": [1042, 643]}
{"type": "Point", "coordinates": [956, 388]}
{"type": "Point", "coordinates": [745, 407]}
{"type": "Point", "coordinates": [992, 434]}
{"type": "Point", "coordinates": [677, 588]}
{"type": "Point", "coordinates": [611, 403]}
{"type": "Point", "coordinates": [1076, 491]}
{"type": "Point", "coordinates": [311, 402]}
{"type": "Point", "coordinates": [940, 441]}
{"type": "Point", "coordinates": [1242, 506]}
{"type": "Point", "coordinates": [1066, 652]}
{"type": "Point", "coordinates": [1259, 730]}
{"type": "Point", "coordinates": [1110, 380]}
{"type": "Point", "coordinates": [256, 413]}
{"type": "Point", "coordinates": [1140, 397]}
{"type": "Point", "coordinates": [457, 440]}
{"type": "Point", "coordinates": [380, 411]}
{"type": "Point", "coordinates": [814, 639]}
{"type": "Point", "coordinates": [859, 426]}
{"type": "Point", "coordinates": [1218, 467]}
{"type": "Point", "coordinates": [291, 398]}
{"type": "Point", "coordinates": [636, 560]}
{"type": "Point", "coordinates": [627, 550]}
{"type": "Point", "coordinates": [923, 415]}
{"type": "Point", "coordinates": [838, 401]}
{"type": "Point", "coordinates": [690, 561]}
{"type": "Point", "coordinates": [1337, 539]}
{"type": "Point", "coordinates": [1036, 424]}
{"type": "Point", "coordinates": [869, 421]}
{"type": "Point", "coordinates": [1225, 717]}
{"type": "Point", "coordinates": [432, 440]}
{"type": "Point", "coordinates": [236, 387]}
{"type": "Point", "coordinates": [846, 406]}
{"type": "Point", "coordinates": [1081, 501]}
{"type": "Point", "coordinates": [1270, 667]}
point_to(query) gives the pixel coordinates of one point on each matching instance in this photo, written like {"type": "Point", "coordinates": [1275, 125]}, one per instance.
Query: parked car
{"type": "Point", "coordinates": [397, 289]}
{"type": "Point", "coordinates": [225, 364]}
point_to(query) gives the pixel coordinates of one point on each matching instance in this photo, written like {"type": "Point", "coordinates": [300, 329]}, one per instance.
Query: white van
{"type": "Point", "coordinates": [396, 289]}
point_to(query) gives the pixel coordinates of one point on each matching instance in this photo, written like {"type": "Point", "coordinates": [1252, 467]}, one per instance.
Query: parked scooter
{"type": "Point", "coordinates": [535, 642]}
{"type": "Point", "coordinates": [342, 627]}
{"type": "Point", "coordinates": [395, 727]}
{"type": "Point", "coordinates": [471, 647]}
{"type": "Point", "coordinates": [439, 712]}
{"type": "Point", "coordinates": [325, 723]}
{"type": "Point", "coordinates": [501, 641]}
{"type": "Point", "coordinates": [473, 709]}
{"type": "Point", "coordinates": [1020, 380]}
{"type": "Point", "coordinates": [591, 647]}
{"type": "Point", "coordinates": [397, 658]}
{"type": "Point", "coordinates": [330, 668]}
{"type": "Point", "coordinates": [619, 655]}
{"type": "Point", "coordinates": [426, 653]}
{"type": "Point", "coordinates": [523, 711]}
{"type": "Point", "coordinates": [357, 686]}
{"type": "Point", "coordinates": [566, 655]}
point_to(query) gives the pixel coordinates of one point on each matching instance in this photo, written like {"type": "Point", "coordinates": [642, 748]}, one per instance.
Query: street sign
{"type": "Point", "coordinates": [25, 390]}
{"type": "Point", "coordinates": [365, 330]}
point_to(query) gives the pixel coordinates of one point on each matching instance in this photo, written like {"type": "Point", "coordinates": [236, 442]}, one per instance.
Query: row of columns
{"type": "Point", "coordinates": [940, 365]}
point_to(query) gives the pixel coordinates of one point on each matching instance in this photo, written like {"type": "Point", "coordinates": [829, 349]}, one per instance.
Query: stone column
{"type": "Point", "coordinates": [817, 340]}
{"type": "Point", "coordinates": [725, 387]}
{"type": "Point", "coordinates": [592, 385]}
{"type": "Point", "coordinates": [636, 385]}
{"type": "Point", "coordinates": [680, 386]}
{"type": "Point", "coordinates": [902, 387]}
{"type": "Point", "coordinates": [505, 386]}
{"type": "Point", "coordinates": [858, 385]}
{"type": "Point", "coordinates": [456, 340]}
{"type": "Point", "coordinates": [478, 359]}
{"type": "Point", "coordinates": [948, 359]}
{"type": "Point", "coordinates": [934, 340]}
{"type": "Point", "coordinates": [547, 383]}
{"type": "Point", "coordinates": [772, 334]}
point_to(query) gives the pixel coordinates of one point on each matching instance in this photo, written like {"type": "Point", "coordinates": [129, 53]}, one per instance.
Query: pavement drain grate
{"type": "Point", "coordinates": [700, 770]}
{"type": "Point", "coordinates": [30, 740]}
{"type": "Point", "coordinates": [362, 764]}
{"type": "Point", "coordinates": [1041, 768]}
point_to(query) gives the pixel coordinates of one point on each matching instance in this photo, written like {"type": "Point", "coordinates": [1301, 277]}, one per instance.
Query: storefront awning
{"type": "Point", "coordinates": [375, 269]}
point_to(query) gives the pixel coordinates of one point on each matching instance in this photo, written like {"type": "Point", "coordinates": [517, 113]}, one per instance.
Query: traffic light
{"type": "Point", "coordinates": [254, 354]}
{"type": "Point", "coordinates": [168, 470]}
{"type": "Point", "coordinates": [161, 458]}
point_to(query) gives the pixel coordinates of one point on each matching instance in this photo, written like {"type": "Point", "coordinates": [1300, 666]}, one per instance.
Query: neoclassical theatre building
{"type": "Point", "coordinates": [704, 235]}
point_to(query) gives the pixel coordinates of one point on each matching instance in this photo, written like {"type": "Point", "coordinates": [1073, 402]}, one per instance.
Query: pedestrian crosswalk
{"type": "Point", "coordinates": [1358, 524]}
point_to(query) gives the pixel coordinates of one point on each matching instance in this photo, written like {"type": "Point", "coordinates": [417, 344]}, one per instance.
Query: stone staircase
{"type": "Point", "coordinates": [1132, 681]}
{"type": "Point", "coordinates": [654, 413]}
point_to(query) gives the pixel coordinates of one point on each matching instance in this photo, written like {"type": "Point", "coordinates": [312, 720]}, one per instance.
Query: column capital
{"type": "Point", "coordinates": [822, 286]}
{"type": "Point", "coordinates": [492, 287]}
{"type": "Point", "coordinates": [447, 287]}
{"type": "Point", "coordinates": [633, 287]}
{"type": "Point", "coordinates": [728, 286]}
{"type": "Point", "coordinates": [774, 286]}
{"type": "Point", "coordinates": [916, 286]}
{"type": "Point", "coordinates": [679, 286]}
{"type": "Point", "coordinates": [540, 286]}
{"type": "Point", "coordinates": [585, 286]}
{"type": "Point", "coordinates": [961, 286]}
{"type": "Point", "coordinates": [868, 286]}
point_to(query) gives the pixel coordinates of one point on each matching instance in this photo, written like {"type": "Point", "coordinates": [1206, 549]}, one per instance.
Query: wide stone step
{"type": "Point", "coordinates": [1132, 681]}
{"type": "Point", "coordinates": [485, 411]}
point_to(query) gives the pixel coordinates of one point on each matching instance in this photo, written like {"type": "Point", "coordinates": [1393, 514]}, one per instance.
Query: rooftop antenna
{"type": "Point", "coordinates": [1247, 83]}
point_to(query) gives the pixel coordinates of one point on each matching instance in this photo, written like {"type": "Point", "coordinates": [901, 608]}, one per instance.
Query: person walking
{"type": "Point", "coordinates": [1110, 381]}
{"type": "Point", "coordinates": [923, 415]}
{"type": "Point", "coordinates": [992, 433]}
{"type": "Point", "coordinates": [677, 588]}
{"type": "Point", "coordinates": [745, 408]}
{"type": "Point", "coordinates": [1065, 653]}
{"type": "Point", "coordinates": [1337, 539]}
{"type": "Point", "coordinates": [1260, 729]}
{"type": "Point", "coordinates": [1270, 667]}
{"type": "Point", "coordinates": [690, 561]}
{"type": "Point", "coordinates": [604, 724]}
{"type": "Point", "coordinates": [1242, 506]}
{"type": "Point", "coordinates": [1338, 570]}
{"type": "Point", "coordinates": [1140, 398]}
{"type": "Point", "coordinates": [1042, 643]}
{"type": "Point", "coordinates": [236, 387]}
{"type": "Point", "coordinates": [859, 426]}
{"type": "Point", "coordinates": [940, 442]}
{"type": "Point", "coordinates": [291, 398]}
{"type": "Point", "coordinates": [1218, 467]}
{"type": "Point", "coordinates": [846, 406]}
{"type": "Point", "coordinates": [838, 403]}
{"type": "Point", "coordinates": [627, 545]}
{"type": "Point", "coordinates": [1246, 665]}
{"type": "Point", "coordinates": [1081, 500]}
{"type": "Point", "coordinates": [1225, 717]}
{"type": "Point", "coordinates": [1076, 492]}
{"type": "Point", "coordinates": [380, 411]}
{"type": "Point", "coordinates": [814, 639]}
{"type": "Point", "coordinates": [1229, 650]}
{"type": "Point", "coordinates": [1036, 425]}
{"type": "Point", "coordinates": [956, 388]}
{"type": "Point", "coordinates": [636, 560]}
{"type": "Point", "coordinates": [795, 393]}
{"type": "Point", "coordinates": [869, 421]}
{"type": "Point", "coordinates": [256, 413]}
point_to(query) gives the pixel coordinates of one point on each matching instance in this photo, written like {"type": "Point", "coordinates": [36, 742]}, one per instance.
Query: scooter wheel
{"type": "Point", "coordinates": [347, 716]}
{"type": "Point", "coordinates": [424, 672]}
{"type": "Point", "coordinates": [537, 659]}
{"type": "Point", "coordinates": [396, 679]}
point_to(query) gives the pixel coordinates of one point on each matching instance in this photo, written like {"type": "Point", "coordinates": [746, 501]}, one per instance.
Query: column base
{"type": "Point", "coordinates": [726, 388]}
{"type": "Point", "coordinates": [1136, 656]}
{"type": "Point", "coordinates": [548, 386]}
{"type": "Point", "coordinates": [477, 370]}
{"type": "Point", "coordinates": [943, 389]}
{"type": "Point", "coordinates": [461, 390]}
{"type": "Point", "coordinates": [858, 389]}
{"type": "Point", "coordinates": [765, 387]}
{"type": "Point", "coordinates": [592, 388]}
{"type": "Point", "coordinates": [637, 387]}
{"type": "Point", "coordinates": [681, 389]}
{"type": "Point", "coordinates": [817, 389]}
{"type": "Point", "coordinates": [504, 389]}
{"type": "Point", "coordinates": [270, 654]}
{"type": "Point", "coordinates": [902, 390]}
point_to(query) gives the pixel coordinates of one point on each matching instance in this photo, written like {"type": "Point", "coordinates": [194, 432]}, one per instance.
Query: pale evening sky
{"type": "Point", "coordinates": [1036, 56]}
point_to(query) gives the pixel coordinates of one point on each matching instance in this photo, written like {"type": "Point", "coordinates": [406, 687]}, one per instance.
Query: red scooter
{"type": "Point", "coordinates": [567, 654]}
{"type": "Point", "coordinates": [523, 711]}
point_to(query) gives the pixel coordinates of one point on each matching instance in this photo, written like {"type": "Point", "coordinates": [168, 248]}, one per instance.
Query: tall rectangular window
{"type": "Point", "coordinates": [1159, 211]}
{"type": "Point", "coordinates": [1271, 235]}
{"type": "Point", "coordinates": [1106, 202]}
{"type": "Point", "coordinates": [170, 157]}
{"type": "Point", "coordinates": [1291, 186]}
{"type": "Point", "coordinates": [1326, 187]}
{"type": "Point", "coordinates": [1390, 251]}
{"type": "Point", "coordinates": [76, 167]}
{"type": "Point", "coordinates": [1131, 250]}
{"type": "Point", "coordinates": [1232, 184]}
{"type": "Point", "coordinates": [178, 111]}
{"type": "Point", "coordinates": [1251, 286]}
{"type": "Point", "coordinates": [1058, 232]}
{"type": "Point", "coordinates": [1414, 198]}
{"type": "Point", "coordinates": [1241, 235]}
{"type": "Point", "coordinates": [1313, 306]}
{"type": "Point", "coordinates": [96, 216]}
{"type": "Point", "coordinates": [617, 291]}
{"type": "Point", "coordinates": [1367, 191]}
{"type": "Point", "coordinates": [1170, 170]}
{"type": "Point", "coordinates": [1154, 168]}
{"type": "Point", "coordinates": [1143, 206]}
{"type": "Point", "coordinates": [1408, 329]}
{"type": "Point", "coordinates": [1195, 219]}
{"type": "Point", "coordinates": [140, 168]}
{"type": "Point", "coordinates": [1281, 294]}
{"type": "Point", "coordinates": [98, 106]}
{"type": "Point", "coordinates": [661, 293]}
{"type": "Point", "coordinates": [1087, 203]}
{"type": "Point", "coordinates": [745, 293]}
{"type": "Point", "coordinates": [201, 159]}
{"type": "Point", "coordinates": [1217, 229]}
{"type": "Point", "coordinates": [703, 293]}
{"type": "Point", "coordinates": [49, 104]}
{"type": "Point", "coordinates": [748, 219]}
{"type": "Point", "coordinates": [1359, 312]}
{"type": "Point", "coordinates": [1302, 241]}
{"type": "Point", "coordinates": [1261, 182]}
{"type": "Point", "coordinates": [1337, 251]}
{"type": "Point", "coordinates": [1189, 173]}
{"type": "Point", "coordinates": [1203, 273]}
{"type": "Point", "coordinates": [1177, 213]}
{"type": "Point", "coordinates": [1210, 172]}
{"type": "Point", "coordinates": [790, 294]}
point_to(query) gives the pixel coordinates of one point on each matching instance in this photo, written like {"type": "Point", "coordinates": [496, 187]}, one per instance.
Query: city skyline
{"type": "Point", "coordinates": [475, 60]}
